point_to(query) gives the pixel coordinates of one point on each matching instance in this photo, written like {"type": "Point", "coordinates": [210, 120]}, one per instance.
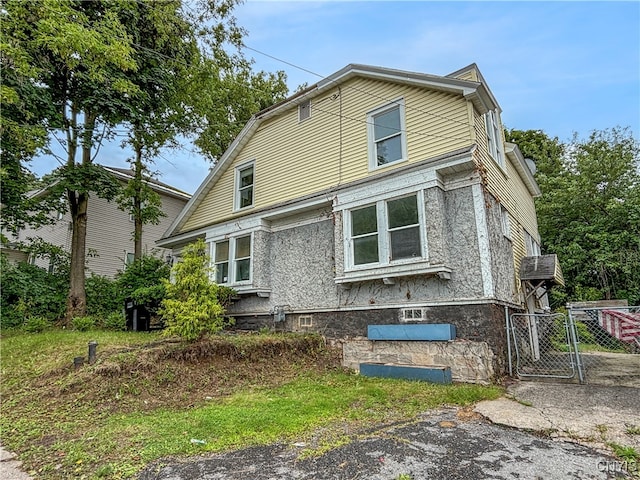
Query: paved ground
{"type": "Point", "coordinates": [10, 467]}
{"type": "Point", "coordinates": [572, 424]}
{"type": "Point", "coordinates": [438, 447]}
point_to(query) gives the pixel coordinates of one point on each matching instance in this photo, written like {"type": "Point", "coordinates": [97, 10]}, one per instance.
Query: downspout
{"type": "Point", "coordinates": [508, 327]}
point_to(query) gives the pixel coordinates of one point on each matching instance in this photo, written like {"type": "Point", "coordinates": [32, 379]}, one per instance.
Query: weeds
{"type": "Point", "coordinates": [146, 398]}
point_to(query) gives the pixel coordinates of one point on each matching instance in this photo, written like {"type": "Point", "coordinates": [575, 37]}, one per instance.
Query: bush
{"type": "Point", "coordinates": [104, 296]}
{"type": "Point", "coordinates": [115, 321]}
{"type": "Point", "coordinates": [30, 291]}
{"type": "Point", "coordinates": [192, 306]}
{"type": "Point", "coordinates": [83, 324]}
{"type": "Point", "coordinates": [36, 324]}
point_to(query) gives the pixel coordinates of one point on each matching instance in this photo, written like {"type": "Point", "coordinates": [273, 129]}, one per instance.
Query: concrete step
{"type": "Point", "coordinates": [421, 331]}
{"type": "Point", "coordinates": [425, 373]}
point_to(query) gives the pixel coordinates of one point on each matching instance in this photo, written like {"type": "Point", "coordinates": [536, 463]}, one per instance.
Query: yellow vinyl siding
{"type": "Point", "coordinates": [294, 159]}
{"type": "Point", "coordinates": [511, 192]}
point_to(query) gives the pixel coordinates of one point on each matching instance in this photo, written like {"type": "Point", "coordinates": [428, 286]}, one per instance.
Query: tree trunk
{"type": "Point", "coordinates": [77, 299]}
{"type": "Point", "coordinates": [78, 203]}
{"type": "Point", "coordinates": [137, 204]}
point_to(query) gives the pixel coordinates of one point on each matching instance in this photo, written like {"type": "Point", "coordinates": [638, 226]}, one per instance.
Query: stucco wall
{"type": "Point", "coordinates": [298, 265]}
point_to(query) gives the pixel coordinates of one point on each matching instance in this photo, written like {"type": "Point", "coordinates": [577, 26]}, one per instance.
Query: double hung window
{"type": "Point", "coordinates": [387, 143]}
{"type": "Point", "coordinates": [494, 136]}
{"type": "Point", "coordinates": [244, 186]}
{"type": "Point", "coordinates": [232, 260]}
{"type": "Point", "coordinates": [386, 231]}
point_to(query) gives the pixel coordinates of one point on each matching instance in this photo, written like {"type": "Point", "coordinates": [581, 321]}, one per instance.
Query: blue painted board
{"type": "Point", "coordinates": [422, 331]}
{"type": "Point", "coordinates": [425, 374]}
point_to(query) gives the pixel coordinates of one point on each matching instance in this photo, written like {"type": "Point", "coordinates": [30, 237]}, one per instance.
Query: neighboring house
{"type": "Point", "coordinates": [110, 230]}
{"type": "Point", "coordinates": [376, 196]}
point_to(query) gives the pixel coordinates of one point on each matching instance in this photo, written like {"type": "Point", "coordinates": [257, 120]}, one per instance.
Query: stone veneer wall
{"type": "Point", "coordinates": [470, 362]}
{"type": "Point", "coordinates": [475, 324]}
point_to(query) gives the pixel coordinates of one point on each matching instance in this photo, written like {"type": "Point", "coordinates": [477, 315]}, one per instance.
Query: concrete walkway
{"type": "Point", "coordinates": [10, 467]}
{"type": "Point", "coordinates": [591, 415]}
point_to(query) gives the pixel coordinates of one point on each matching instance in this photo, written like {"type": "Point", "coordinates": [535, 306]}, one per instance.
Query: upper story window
{"type": "Point", "coordinates": [387, 142]}
{"type": "Point", "coordinates": [232, 260]}
{"type": "Point", "coordinates": [494, 136]}
{"type": "Point", "coordinates": [304, 110]}
{"type": "Point", "coordinates": [385, 232]}
{"type": "Point", "coordinates": [532, 246]}
{"type": "Point", "coordinates": [244, 186]}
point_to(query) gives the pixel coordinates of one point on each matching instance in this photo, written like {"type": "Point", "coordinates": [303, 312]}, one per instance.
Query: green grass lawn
{"type": "Point", "coordinates": [102, 422]}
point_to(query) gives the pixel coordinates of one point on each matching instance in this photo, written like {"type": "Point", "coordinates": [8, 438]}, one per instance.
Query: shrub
{"type": "Point", "coordinates": [35, 324]}
{"type": "Point", "coordinates": [28, 290]}
{"type": "Point", "coordinates": [83, 324]}
{"type": "Point", "coordinates": [192, 306]}
{"type": "Point", "coordinates": [104, 296]}
{"type": "Point", "coordinates": [115, 321]}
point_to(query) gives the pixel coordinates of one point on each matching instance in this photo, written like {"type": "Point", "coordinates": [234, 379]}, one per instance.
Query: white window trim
{"type": "Point", "coordinates": [494, 137]}
{"type": "Point", "coordinates": [373, 161]}
{"type": "Point", "coordinates": [384, 247]}
{"type": "Point", "coordinates": [404, 318]}
{"type": "Point", "coordinates": [236, 186]}
{"type": "Point", "coordinates": [231, 269]}
{"type": "Point", "coordinates": [505, 222]}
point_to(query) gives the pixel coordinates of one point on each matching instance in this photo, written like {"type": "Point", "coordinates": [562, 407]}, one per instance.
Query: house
{"type": "Point", "coordinates": [374, 197]}
{"type": "Point", "coordinates": [110, 230]}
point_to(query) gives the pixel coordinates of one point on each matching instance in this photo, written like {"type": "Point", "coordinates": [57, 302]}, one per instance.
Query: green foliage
{"type": "Point", "coordinates": [30, 291]}
{"type": "Point", "coordinates": [36, 324]}
{"type": "Point", "coordinates": [115, 321]}
{"type": "Point", "coordinates": [589, 211]}
{"type": "Point", "coordinates": [192, 306]}
{"type": "Point", "coordinates": [104, 296]}
{"type": "Point", "coordinates": [83, 324]}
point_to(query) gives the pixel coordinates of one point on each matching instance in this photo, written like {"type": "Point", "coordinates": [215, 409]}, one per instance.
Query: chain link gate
{"type": "Point", "coordinates": [591, 345]}
{"type": "Point", "coordinates": [545, 345]}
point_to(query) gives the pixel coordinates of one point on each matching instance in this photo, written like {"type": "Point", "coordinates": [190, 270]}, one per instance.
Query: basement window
{"type": "Point", "coordinates": [305, 321]}
{"type": "Point", "coordinates": [412, 315]}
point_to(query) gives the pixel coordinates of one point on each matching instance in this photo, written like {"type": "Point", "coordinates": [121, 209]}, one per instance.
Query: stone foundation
{"type": "Point", "coordinates": [470, 362]}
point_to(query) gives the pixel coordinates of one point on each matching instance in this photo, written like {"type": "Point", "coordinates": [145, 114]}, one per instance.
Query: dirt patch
{"type": "Point", "coordinates": [172, 374]}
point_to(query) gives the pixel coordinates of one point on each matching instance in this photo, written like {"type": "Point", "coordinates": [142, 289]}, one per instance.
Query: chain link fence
{"type": "Point", "coordinates": [589, 345]}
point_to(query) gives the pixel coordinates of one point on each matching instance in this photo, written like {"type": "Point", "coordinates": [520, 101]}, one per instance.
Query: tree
{"type": "Point", "coordinates": [193, 303]}
{"type": "Point", "coordinates": [89, 59]}
{"type": "Point", "coordinates": [589, 212]}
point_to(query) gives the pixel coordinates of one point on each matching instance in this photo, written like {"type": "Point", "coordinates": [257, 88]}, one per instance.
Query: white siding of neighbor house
{"type": "Point", "coordinates": [109, 234]}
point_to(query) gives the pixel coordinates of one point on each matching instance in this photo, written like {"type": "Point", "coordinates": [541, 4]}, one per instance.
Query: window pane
{"type": "Point", "coordinates": [386, 124]}
{"type": "Point", "coordinates": [222, 272]}
{"type": "Point", "coordinates": [364, 220]}
{"type": "Point", "coordinates": [242, 270]}
{"type": "Point", "coordinates": [222, 251]}
{"type": "Point", "coordinates": [243, 247]}
{"type": "Point", "coordinates": [389, 150]}
{"type": "Point", "coordinates": [403, 211]}
{"type": "Point", "coordinates": [405, 243]}
{"type": "Point", "coordinates": [246, 197]}
{"type": "Point", "coordinates": [365, 250]}
{"type": "Point", "coordinates": [246, 177]}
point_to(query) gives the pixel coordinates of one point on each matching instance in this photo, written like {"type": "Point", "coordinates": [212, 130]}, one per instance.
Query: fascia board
{"type": "Point", "coordinates": [517, 160]}
{"type": "Point", "coordinates": [154, 186]}
{"type": "Point", "coordinates": [213, 176]}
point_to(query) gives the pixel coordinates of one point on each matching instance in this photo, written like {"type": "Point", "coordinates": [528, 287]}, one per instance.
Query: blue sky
{"type": "Point", "coordinates": [561, 67]}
